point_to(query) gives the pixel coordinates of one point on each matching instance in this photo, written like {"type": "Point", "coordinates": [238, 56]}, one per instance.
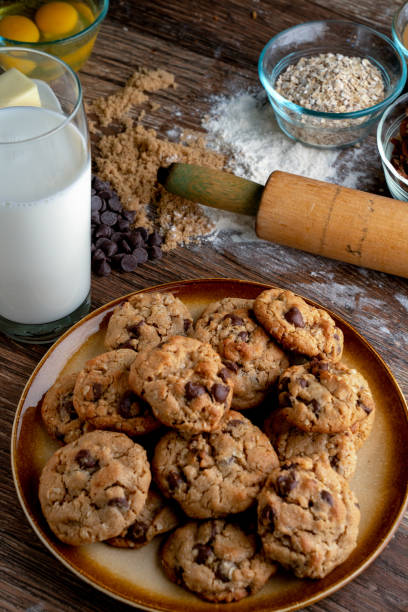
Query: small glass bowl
{"type": "Point", "coordinates": [75, 49]}
{"type": "Point", "coordinates": [399, 23]}
{"type": "Point", "coordinates": [320, 129]}
{"type": "Point", "coordinates": [389, 128]}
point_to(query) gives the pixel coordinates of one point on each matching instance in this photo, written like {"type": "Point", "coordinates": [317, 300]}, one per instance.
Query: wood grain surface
{"type": "Point", "coordinates": [212, 47]}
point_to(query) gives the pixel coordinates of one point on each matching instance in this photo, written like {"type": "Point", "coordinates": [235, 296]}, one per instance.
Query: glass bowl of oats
{"type": "Point", "coordinates": [329, 81]}
{"type": "Point", "coordinates": [400, 30]}
{"type": "Point", "coordinates": [392, 142]}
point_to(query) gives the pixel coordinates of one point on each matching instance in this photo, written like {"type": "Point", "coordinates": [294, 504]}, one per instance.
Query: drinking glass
{"type": "Point", "coordinates": [45, 203]}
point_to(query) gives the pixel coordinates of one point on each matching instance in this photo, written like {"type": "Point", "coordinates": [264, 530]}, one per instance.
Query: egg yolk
{"type": "Point", "coordinates": [84, 11]}
{"type": "Point", "coordinates": [56, 18]}
{"type": "Point", "coordinates": [17, 27]}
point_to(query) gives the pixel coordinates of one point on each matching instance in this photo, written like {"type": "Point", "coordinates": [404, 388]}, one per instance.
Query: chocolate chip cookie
{"type": "Point", "coordinates": [214, 474]}
{"type": "Point", "coordinates": [225, 305]}
{"type": "Point", "coordinates": [158, 516]}
{"type": "Point", "coordinates": [308, 517]}
{"type": "Point", "coordinates": [145, 320]}
{"type": "Point", "coordinates": [217, 560]}
{"type": "Point", "coordinates": [103, 397]}
{"type": "Point", "coordinates": [289, 442]}
{"type": "Point", "coordinates": [297, 325]}
{"type": "Point", "coordinates": [251, 358]}
{"type": "Point", "coordinates": [182, 381]}
{"type": "Point", "coordinates": [95, 487]}
{"type": "Point", "coordinates": [324, 397]}
{"type": "Point", "coordinates": [59, 416]}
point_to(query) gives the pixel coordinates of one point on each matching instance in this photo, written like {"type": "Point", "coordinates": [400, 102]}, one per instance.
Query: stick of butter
{"type": "Point", "coordinates": [16, 89]}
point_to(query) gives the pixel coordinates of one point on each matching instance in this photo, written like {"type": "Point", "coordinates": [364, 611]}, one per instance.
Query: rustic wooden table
{"type": "Point", "coordinates": [211, 47]}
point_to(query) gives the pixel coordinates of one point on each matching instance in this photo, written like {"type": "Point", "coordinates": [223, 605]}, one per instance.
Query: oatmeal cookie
{"type": "Point", "coordinates": [58, 413]}
{"type": "Point", "coordinates": [103, 398]}
{"type": "Point", "coordinates": [324, 397]}
{"type": "Point", "coordinates": [145, 320]}
{"type": "Point", "coordinates": [227, 304]}
{"type": "Point", "coordinates": [158, 516]}
{"type": "Point", "coordinates": [95, 487]}
{"type": "Point", "coordinates": [214, 474]}
{"type": "Point", "coordinates": [182, 381]}
{"type": "Point", "coordinates": [289, 442]}
{"type": "Point", "coordinates": [298, 326]}
{"type": "Point", "coordinates": [308, 517]}
{"type": "Point", "coordinates": [252, 360]}
{"type": "Point", "coordinates": [217, 560]}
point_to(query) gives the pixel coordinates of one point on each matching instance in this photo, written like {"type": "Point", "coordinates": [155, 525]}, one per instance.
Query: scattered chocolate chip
{"type": "Point", "coordinates": [155, 239]}
{"type": "Point", "coordinates": [86, 461]}
{"type": "Point", "coordinates": [140, 255]}
{"type": "Point", "coordinates": [286, 483]}
{"type": "Point", "coordinates": [119, 502]}
{"type": "Point", "coordinates": [109, 218]}
{"type": "Point", "coordinates": [129, 215]}
{"type": "Point", "coordinates": [128, 263]}
{"type": "Point", "coordinates": [294, 316]}
{"type": "Point", "coordinates": [143, 232]}
{"type": "Point", "coordinates": [323, 366]}
{"type": "Point", "coordinates": [103, 269]}
{"type": "Point", "coordinates": [123, 225]}
{"type": "Point", "coordinates": [203, 553]}
{"type": "Point", "coordinates": [219, 392]}
{"type": "Point", "coordinates": [193, 390]}
{"type": "Point", "coordinates": [186, 325]}
{"type": "Point", "coordinates": [115, 204]}
{"type": "Point", "coordinates": [96, 203]}
{"type": "Point", "coordinates": [155, 252]}
{"type": "Point", "coordinates": [327, 497]}
{"type": "Point", "coordinates": [103, 231]}
{"type": "Point", "coordinates": [303, 383]}
{"type": "Point", "coordinates": [135, 240]}
{"type": "Point", "coordinates": [95, 218]}
{"type": "Point", "coordinates": [125, 246]}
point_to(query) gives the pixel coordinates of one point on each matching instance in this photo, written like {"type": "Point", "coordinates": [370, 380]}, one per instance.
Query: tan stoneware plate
{"type": "Point", "coordinates": [135, 577]}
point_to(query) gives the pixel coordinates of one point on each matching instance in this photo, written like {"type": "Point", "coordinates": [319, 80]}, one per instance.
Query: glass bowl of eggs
{"type": "Point", "coordinates": [64, 28]}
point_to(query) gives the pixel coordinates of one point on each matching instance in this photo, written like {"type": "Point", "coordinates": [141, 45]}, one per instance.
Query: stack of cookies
{"type": "Point", "coordinates": [155, 441]}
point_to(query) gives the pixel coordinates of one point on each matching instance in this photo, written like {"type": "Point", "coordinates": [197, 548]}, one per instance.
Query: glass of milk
{"type": "Point", "coordinates": [45, 196]}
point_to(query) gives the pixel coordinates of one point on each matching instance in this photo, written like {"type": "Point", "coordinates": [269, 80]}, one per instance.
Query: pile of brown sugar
{"type": "Point", "coordinates": [128, 155]}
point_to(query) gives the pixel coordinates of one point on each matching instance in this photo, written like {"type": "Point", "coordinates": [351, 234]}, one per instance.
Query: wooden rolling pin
{"type": "Point", "coordinates": [322, 218]}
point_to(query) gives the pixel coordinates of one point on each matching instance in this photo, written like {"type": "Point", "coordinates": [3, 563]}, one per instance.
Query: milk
{"type": "Point", "coordinates": [44, 216]}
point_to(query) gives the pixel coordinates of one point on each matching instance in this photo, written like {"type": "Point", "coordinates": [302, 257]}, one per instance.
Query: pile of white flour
{"type": "Point", "coordinates": [244, 128]}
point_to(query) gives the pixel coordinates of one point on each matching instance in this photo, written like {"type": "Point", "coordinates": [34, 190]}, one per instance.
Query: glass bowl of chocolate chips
{"type": "Point", "coordinates": [392, 142]}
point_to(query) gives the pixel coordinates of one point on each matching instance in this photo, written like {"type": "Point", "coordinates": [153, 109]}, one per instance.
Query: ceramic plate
{"type": "Point", "coordinates": [135, 577]}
